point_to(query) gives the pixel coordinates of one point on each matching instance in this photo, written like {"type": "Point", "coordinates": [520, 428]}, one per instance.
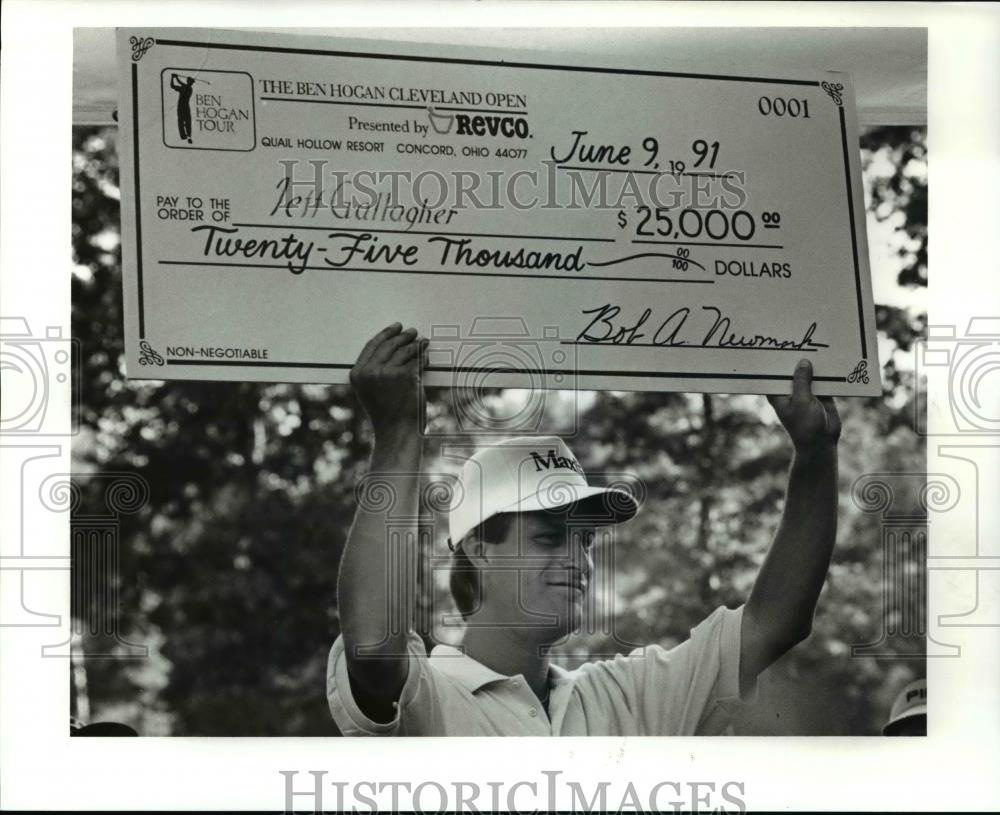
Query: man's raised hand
{"type": "Point", "coordinates": [386, 379]}
{"type": "Point", "coordinates": [811, 421]}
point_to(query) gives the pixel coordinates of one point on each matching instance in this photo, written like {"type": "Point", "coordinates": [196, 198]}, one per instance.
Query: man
{"type": "Point", "coordinates": [521, 574]}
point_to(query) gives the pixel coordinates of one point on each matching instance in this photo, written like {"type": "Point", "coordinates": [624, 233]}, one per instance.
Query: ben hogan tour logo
{"type": "Point", "coordinates": [208, 110]}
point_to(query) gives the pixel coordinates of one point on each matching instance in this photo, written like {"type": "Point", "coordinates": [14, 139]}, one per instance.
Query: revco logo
{"type": "Point", "coordinates": [513, 127]}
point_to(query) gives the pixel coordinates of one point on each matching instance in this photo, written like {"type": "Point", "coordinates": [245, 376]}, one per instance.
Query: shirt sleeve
{"type": "Point", "coordinates": [693, 688]}
{"type": "Point", "coordinates": [416, 700]}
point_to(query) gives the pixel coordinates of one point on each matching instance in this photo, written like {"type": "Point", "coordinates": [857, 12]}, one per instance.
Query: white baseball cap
{"type": "Point", "coordinates": [910, 701]}
{"type": "Point", "coordinates": [526, 475]}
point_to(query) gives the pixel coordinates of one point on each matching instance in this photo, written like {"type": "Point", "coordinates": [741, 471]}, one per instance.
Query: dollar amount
{"type": "Point", "coordinates": [715, 224]}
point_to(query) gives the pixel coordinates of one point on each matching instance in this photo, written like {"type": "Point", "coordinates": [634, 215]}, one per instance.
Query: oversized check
{"type": "Point", "coordinates": [546, 222]}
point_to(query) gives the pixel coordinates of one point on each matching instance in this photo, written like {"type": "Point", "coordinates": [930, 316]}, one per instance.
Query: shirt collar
{"type": "Point", "coordinates": [464, 669]}
{"type": "Point", "coordinates": [558, 674]}
{"type": "Point", "coordinates": [472, 674]}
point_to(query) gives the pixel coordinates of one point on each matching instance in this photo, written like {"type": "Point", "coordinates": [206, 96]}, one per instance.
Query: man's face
{"type": "Point", "coordinates": [540, 574]}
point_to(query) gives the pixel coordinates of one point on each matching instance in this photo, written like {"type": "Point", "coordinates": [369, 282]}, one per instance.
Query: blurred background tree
{"type": "Point", "coordinates": [228, 573]}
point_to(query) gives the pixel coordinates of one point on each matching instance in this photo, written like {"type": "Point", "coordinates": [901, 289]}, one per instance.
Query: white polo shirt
{"type": "Point", "coordinates": [691, 689]}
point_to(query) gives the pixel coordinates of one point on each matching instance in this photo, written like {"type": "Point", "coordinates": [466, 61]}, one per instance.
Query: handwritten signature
{"type": "Point", "coordinates": [607, 327]}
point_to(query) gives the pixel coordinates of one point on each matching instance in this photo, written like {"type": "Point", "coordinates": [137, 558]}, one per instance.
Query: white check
{"type": "Point", "coordinates": [546, 222]}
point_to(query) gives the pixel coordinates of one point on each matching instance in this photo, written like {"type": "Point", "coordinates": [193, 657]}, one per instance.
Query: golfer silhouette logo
{"type": "Point", "coordinates": [214, 109]}
{"type": "Point", "coordinates": [184, 85]}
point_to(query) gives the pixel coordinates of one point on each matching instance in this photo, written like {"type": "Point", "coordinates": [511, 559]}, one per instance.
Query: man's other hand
{"type": "Point", "coordinates": [810, 421]}
{"type": "Point", "coordinates": [386, 379]}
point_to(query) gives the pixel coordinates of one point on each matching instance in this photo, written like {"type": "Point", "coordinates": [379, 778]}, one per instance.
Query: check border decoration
{"type": "Point", "coordinates": [834, 90]}
{"type": "Point", "coordinates": [860, 372]}
{"type": "Point", "coordinates": [148, 355]}
{"type": "Point", "coordinates": [140, 46]}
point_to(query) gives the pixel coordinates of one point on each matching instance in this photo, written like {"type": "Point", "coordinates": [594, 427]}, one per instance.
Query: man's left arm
{"type": "Point", "coordinates": [779, 612]}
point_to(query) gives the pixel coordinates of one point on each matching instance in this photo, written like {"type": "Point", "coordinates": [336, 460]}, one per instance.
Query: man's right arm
{"type": "Point", "coordinates": [375, 620]}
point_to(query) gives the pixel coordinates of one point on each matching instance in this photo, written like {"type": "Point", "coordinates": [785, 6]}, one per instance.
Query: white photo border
{"type": "Point", "coordinates": [953, 768]}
